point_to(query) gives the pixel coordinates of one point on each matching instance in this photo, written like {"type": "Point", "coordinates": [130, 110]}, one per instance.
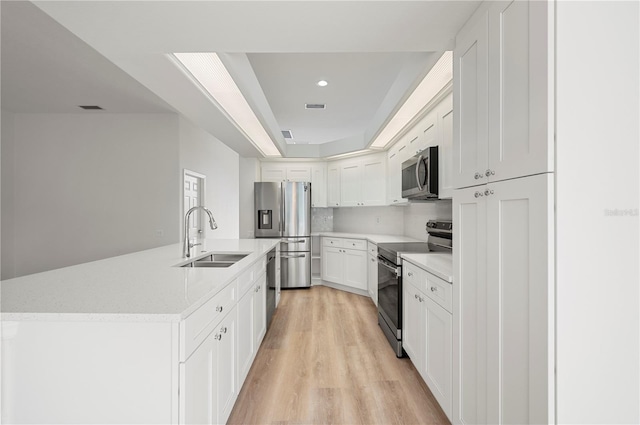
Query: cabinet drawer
{"type": "Point", "coordinates": [246, 279]}
{"type": "Point", "coordinates": [334, 242]}
{"type": "Point", "coordinates": [372, 248]}
{"type": "Point", "coordinates": [438, 290]}
{"type": "Point", "coordinates": [195, 328]}
{"type": "Point", "coordinates": [359, 244]}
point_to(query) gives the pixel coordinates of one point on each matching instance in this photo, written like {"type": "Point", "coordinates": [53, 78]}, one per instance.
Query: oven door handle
{"type": "Point", "coordinates": [383, 264]}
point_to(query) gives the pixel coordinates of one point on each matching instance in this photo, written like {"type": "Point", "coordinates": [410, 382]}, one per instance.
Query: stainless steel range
{"type": "Point", "coordinates": [390, 277]}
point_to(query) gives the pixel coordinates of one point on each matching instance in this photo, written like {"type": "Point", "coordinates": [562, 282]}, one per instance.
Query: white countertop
{"type": "Point", "coordinates": [143, 286]}
{"type": "Point", "coordinates": [440, 264]}
{"type": "Point", "coordinates": [368, 236]}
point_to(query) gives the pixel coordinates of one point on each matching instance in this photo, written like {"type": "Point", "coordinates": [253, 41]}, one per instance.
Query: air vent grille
{"type": "Point", "coordinates": [91, 107]}
{"type": "Point", "coordinates": [315, 106]}
{"type": "Point", "coordinates": [287, 134]}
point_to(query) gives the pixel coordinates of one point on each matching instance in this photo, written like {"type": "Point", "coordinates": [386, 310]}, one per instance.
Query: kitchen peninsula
{"type": "Point", "coordinates": [135, 338]}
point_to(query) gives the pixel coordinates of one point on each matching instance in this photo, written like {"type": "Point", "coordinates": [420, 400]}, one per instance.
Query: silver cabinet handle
{"type": "Point", "coordinates": [219, 309]}
{"type": "Point", "coordinates": [490, 173]}
{"type": "Point", "coordinates": [223, 330]}
{"type": "Point", "coordinates": [488, 192]}
{"type": "Point", "coordinates": [434, 289]}
{"type": "Point", "coordinates": [478, 194]}
{"type": "Point", "coordinates": [416, 296]}
{"type": "Point", "coordinates": [373, 261]}
{"type": "Point", "coordinates": [478, 176]}
{"type": "Point", "coordinates": [217, 337]}
{"type": "Point", "coordinates": [410, 274]}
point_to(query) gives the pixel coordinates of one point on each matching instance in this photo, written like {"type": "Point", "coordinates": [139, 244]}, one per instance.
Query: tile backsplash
{"type": "Point", "coordinates": [321, 219]}
{"type": "Point", "coordinates": [416, 215]}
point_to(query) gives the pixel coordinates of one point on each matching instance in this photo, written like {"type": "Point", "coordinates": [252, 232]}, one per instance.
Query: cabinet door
{"type": "Point", "coordinates": [427, 132]}
{"type": "Point", "coordinates": [438, 330]}
{"type": "Point", "coordinates": [273, 172]}
{"type": "Point", "coordinates": [225, 376]}
{"type": "Point", "coordinates": [355, 268]}
{"type": "Point", "coordinates": [445, 148]}
{"type": "Point", "coordinates": [373, 180]}
{"type": "Point", "coordinates": [520, 289]}
{"type": "Point", "coordinates": [197, 385]}
{"type": "Point", "coordinates": [318, 186]}
{"type": "Point", "coordinates": [372, 278]}
{"type": "Point", "coordinates": [332, 263]}
{"type": "Point", "coordinates": [520, 134]}
{"type": "Point", "coordinates": [299, 173]}
{"type": "Point", "coordinates": [469, 306]}
{"type": "Point", "coordinates": [260, 311]}
{"type": "Point", "coordinates": [350, 184]}
{"type": "Point", "coordinates": [470, 91]}
{"type": "Point", "coordinates": [333, 185]}
{"type": "Point", "coordinates": [413, 325]}
{"type": "Point", "coordinates": [244, 337]}
{"type": "Point", "coordinates": [414, 141]}
{"type": "Point", "coordinates": [394, 180]}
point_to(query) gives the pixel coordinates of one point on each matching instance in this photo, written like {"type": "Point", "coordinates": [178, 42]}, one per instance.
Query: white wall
{"type": "Point", "coordinates": [249, 173]}
{"type": "Point", "coordinates": [204, 154]}
{"type": "Point", "coordinates": [376, 220]}
{"type": "Point", "coordinates": [416, 215]}
{"type": "Point", "coordinates": [7, 190]}
{"type": "Point", "coordinates": [598, 322]}
{"type": "Point", "coordinates": [87, 186]}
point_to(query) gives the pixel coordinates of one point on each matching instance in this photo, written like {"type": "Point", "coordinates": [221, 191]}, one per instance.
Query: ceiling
{"type": "Point", "coordinates": [117, 55]}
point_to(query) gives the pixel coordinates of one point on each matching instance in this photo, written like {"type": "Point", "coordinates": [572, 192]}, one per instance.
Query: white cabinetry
{"type": "Point", "coordinates": [503, 302]}
{"type": "Point", "coordinates": [208, 386]}
{"type": "Point", "coordinates": [281, 171]}
{"type": "Point", "coordinates": [396, 156]}
{"type": "Point", "coordinates": [362, 181]}
{"type": "Point", "coordinates": [344, 262]}
{"type": "Point", "coordinates": [503, 94]}
{"type": "Point", "coordinates": [319, 185]}
{"type": "Point", "coordinates": [427, 330]}
{"type": "Point", "coordinates": [372, 271]}
{"type": "Point", "coordinates": [333, 184]}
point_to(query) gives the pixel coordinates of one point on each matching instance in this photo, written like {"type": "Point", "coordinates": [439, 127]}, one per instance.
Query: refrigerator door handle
{"type": "Point", "coordinates": [298, 241]}
{"type": "Point", "coordinates": [292, 256]}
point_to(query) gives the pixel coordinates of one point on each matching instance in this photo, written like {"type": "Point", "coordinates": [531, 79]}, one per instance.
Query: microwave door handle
{"type": "Point", "coordinates": [420, 187]}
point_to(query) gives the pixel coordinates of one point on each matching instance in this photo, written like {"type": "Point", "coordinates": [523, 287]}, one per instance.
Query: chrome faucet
{"type": "Point", "coordinates": [188, 245]}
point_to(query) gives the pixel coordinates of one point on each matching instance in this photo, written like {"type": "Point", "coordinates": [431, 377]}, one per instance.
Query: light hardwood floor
{"type": "Point", "coordinates": [324, 360]}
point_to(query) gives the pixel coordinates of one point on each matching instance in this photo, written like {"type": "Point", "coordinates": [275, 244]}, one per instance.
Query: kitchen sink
{"type": "Point", "coordinates": [216, 260]}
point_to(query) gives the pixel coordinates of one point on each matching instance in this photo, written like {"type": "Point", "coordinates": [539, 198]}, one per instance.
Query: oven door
{"type": "Point", "coordinates": [390, 295]}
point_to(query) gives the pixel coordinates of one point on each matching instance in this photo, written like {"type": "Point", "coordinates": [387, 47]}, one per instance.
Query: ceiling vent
{"type": "Point", "coordinates": [287, 134]}
{"type": "Point", "coordinates": [315, 106]}
{"type": "Point", "coordinates": [91, 107]}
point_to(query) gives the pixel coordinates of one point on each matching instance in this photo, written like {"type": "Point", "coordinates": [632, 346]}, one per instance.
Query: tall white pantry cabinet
{"type": "Point", "coordinates": [503, 342]}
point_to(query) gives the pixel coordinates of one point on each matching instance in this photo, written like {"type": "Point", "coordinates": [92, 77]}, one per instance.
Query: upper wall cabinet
{"type": "Point", "coordinates": [362, 181]}
{"type": "Point", "coordinates": [503, 94]}
{"type": "Point", "coordinates": [279, 171]}
{"type": "Point", "coordinates": [333, 184]}
{"type": "Point", "coordinates": [319, 185]}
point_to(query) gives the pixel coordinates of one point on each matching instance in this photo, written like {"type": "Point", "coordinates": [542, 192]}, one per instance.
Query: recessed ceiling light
{"type": "Point", "coordinates": [322, 83]}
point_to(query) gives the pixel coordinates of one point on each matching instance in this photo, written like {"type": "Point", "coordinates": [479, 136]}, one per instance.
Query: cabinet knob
{"type": "Point", "coordinates": [490, 173]}
{"type": "Point", "coordinates": [373, 261]}
{"type": "Point", "coordinates": [488, 192]}
{"type": "Point", "coordinates": [223, 330]}
{"type": "Point", "coordinates": [217, 337]}
{"type": "Point", "coordinates": [416, 296]}
{"type": "Point", "coordinates": [478, 176]}
{"type": "Point", "coordinates": [478, 194]}
{"type": "Point", "coordinates": [434, 289]}
{"type": "Point", "coordinates": [409, 274]}
{"type": "Point", "coordinates": [219, 309]}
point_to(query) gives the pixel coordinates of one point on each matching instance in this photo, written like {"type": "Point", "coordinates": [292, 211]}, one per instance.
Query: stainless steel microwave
{"type": "Point", "coordinates": [420, 175]}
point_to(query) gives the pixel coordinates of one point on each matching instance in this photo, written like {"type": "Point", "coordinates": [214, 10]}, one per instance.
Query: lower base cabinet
{"type": "Point", "coordinates": [208, 386]}
{"type": "Point", "coordinates": [372, 278]}
{"type": "Point", "coordinates": [427, 331]}
{"type": "Point", "coordinates": [344, 261]}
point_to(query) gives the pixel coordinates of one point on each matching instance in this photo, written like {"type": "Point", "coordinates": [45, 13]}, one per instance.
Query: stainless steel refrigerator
{"type": "Point", "coordinates": [283, 210]}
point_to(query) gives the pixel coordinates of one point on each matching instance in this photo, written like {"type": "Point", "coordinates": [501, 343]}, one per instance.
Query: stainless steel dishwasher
{"type": "Point", "coordinates": [271, 285]}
